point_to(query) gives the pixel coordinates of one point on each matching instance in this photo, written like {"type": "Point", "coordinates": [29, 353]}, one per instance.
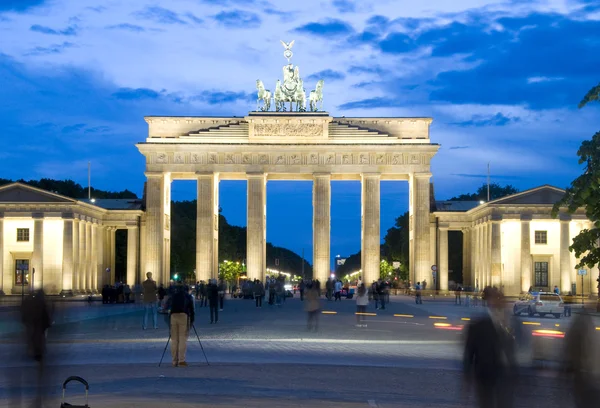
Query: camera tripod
{"type": "Point", "coordinates": [199, 342]}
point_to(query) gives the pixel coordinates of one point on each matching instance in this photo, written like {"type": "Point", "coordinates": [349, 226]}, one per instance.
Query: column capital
{"type": "Point", "coordinates": [67, 216]}
{"type": "Point", "coordinates": [202, 174]}
{"type": "Point", "coordinates": [370, 175]}
{"type": "Point", "coordinates": [526, 217]}
{"type": "Point", "coordinates": [422, 175]}
{"type": "Point", "coordinates": [258, 174]}
{"type": "Point", "coordinates": [131, 224]}
{"type": "Point", "coordinates": [565, 217]}
{"type": "Point", "coordinates": [328, 175]}
{"type": "Point", "coordinates": [496, 218]}
{"type": "Point", "coordinates": [149, 174]}
{"type": "Point", "coordinates": [37, 216]}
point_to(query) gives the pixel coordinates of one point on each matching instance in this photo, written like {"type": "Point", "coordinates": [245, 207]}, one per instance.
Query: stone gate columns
{"type": "Point", "coordinates": [525, 253]}
{"type": "Point", "coordinates": [2, 287]}
{"type": "Point", "coordinates": [99, 265]}
{"type": "Point", "coordinates": [37, 259]}
{"type": "Point", "coordinates": [565, 255]}
{"type": "Point", "coordinates": [87, 283]}
{"type": "Point", "coordinates": [158, 225]}
{"type": "Point", "coordinates": [321, 226]}
{"type": "Point", "coordinates": [67, 261]}
{"type": "Point", "coordinates": [443, 269]}
{"type": "Point", "coordinates": [371, 237]}
{"type": "Point", "coordinates": [113, 249]}
{"type": "Point", "coordinates": [496, 251]}
{"type": "Point", "coordinates": [207, 227]}
{"type": "Point", "coordinates": [132, 254]}
{"type": "Point", "coordinates": [256, 226]}
{"type": "Point", "coordinates": [419, 192]}
{"type": "Point", "coordinates": [467, 274]}
{"type": "Point", "coordinates": [94, 257]}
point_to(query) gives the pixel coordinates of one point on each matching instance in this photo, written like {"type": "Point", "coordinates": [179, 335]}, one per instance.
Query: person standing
{"type": "Point", "coordinates": [203, 294]}
{"type": "Point", "coordinates": [489, 359]}
{"type": "Point", "coordinates": [212, 291]}
{"type": "Point", "coordinates": [338, 290]}
{"type": "Point", "coordinates": [312, 306]}
{"type": "Point", "coordinates": [150, 306]}
{"type": "Point", "coordinates": [362, 300]}
{"type": "Point", "coordinates": [221, 294]}
{"type": "Point", "coordinates": [418, 299]}
{"type": "Point", "coordinates": [259, 292]}
{"type": "Point", "coordinates": [301, 286]}
{"type": "Point", "coordinates": [382, 292]}
{"type": "Point", "coordinates": [181, 315]}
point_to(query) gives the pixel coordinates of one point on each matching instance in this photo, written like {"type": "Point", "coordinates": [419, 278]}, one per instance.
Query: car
{"type": "Point", "coordinates": [540, 303]}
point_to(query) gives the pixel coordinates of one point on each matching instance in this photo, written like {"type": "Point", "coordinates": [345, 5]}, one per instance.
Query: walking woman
{"type": "Point", "coordinates": [312, 306]}
{"type": "Point", "coordinates": [362, 300]}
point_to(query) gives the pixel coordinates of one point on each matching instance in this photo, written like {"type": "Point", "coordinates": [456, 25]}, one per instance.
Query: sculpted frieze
{"type": "Point", "coordinates": [288, 129]}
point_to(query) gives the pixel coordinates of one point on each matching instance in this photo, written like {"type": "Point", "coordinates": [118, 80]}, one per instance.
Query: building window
{"type": "Point", "coordinates": [541, 237]}
{"type": "Point", "coordinates": [22, 272]}
{"type": "Point", "coordinates": [541, 274]}
{"type": "Point", "coordinates": [22, 234]}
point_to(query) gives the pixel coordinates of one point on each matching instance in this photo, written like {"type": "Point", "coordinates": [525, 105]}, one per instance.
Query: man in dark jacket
{"type": "Point", "coordinates": [181, 314]}
{"type": "Point", "coordinates": [489, 359]}
{"type": "Point", "coordinates": [212, 291]}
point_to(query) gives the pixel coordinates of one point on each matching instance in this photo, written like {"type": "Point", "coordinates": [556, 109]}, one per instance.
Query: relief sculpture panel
{"type": "Point", "coordinates": [288, 129]}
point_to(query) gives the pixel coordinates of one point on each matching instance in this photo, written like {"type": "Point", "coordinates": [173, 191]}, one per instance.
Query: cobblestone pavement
{"type": "Point", "coordinates": [280, 385]}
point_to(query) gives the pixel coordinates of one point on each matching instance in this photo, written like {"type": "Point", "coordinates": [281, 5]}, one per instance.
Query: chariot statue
{"type": "Point", "coordinates": [290, 90]}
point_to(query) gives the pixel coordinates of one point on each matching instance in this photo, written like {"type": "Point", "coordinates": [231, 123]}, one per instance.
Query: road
{"type": "Point", "coordinates": [407, 352]}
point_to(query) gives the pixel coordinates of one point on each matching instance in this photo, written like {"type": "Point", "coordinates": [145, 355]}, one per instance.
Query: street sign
{"type": "Point", "coordinates": [276, 261]}
{"type": "Point", "coordinates": [395, 264]}
{"type": "Point", "coordinates": [434, 268]}
{"type": "Point", "coordinates": [582, 272]}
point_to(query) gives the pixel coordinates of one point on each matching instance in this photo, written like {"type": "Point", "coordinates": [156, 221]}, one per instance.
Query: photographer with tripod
{"type": "Point", "coordinates": [181, 315]}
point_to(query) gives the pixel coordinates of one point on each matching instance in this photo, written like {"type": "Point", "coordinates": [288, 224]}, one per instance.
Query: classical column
{"type": "Point", "coordinates": [525, 253]}
{"type": "Point", "coordinates": [132, 254]}
{"type": "Point", "coordinates": [486, 254]}
{"type": "Point", "coordinates": [467, 273]}
{"type": "Point", "coordinates": [157, 221]}
{"type": "Point", "coordinates": [142, 273]}
{"type": "Point", "coordinates": [74, 281]}
{"type": "Point", "coordinates": [94, 257]}
{"type": "Point", "coordinates": [207, 226]}
{"type": "Point", "coordinates": [113, 250]}
{"type": "Point", "coordinates": [256, 226]}
{"type": "Point", "coordinates": [99, 265]}
{"type": "Point", "coordinates": [88, 257]}
{"type": "Point", "coordinates": [496, 251]}
{"type": "Point", "coordinates": [565, 255]}
{"type": "Point", "coordinates": [2, 288]}
{"type": "Point", "coordinates": [80, 273]}
{"type": "Point", "coordinates": [443, 269]}
{"type": "Point", "coordinates": [37, 259]}
{"type": "Point", "coordinates": [67, 261]}
{"type": "Point", "coordinates": [321, 226]}
{"type": "Point", "coordinates": [419, 192]}
{"type": "Point", "coordinates": [371, 236]}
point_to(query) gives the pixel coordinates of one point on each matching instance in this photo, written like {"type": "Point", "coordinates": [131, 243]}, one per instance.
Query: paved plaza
{"type": "Point", "coordinates": [406, 356]}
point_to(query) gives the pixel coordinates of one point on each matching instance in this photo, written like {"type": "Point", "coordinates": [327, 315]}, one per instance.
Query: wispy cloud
{"type": "Point", "coordinates": [74, 128]}
{"type": "Point", "coordinates": [344, 6]}
{"type": "Point", "coordinates": [458, 147]}
{"type": "Point", "coordinates": [127, 27]}
{"type": "Point", "coordinates": [326, 28]}
{"type": "Point", "coordinates": [160, 15]}
{"type": "Point", "coordinates": [71, 30]}
{"type": "Point", "coordinates": [498, 119]}
{"type": "Point", "coordinates": [194, 18]}
{"type": "Point", "coordinates": [327, 75]}
{"type": "Point", "coordinates": [223, 97]}
{"type": "Point", "coordinates": [538, 79]}
{"type": "Point", "coordinates": [51, 49]}
{"type": "Point", "coordinates": [20, 5]}
{"type": "Point", "coordinates": [238, 19]}
{"type": "Point", "coordinates": [130, 94]}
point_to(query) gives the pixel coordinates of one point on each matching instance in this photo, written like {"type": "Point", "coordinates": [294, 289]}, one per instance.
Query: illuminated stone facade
{"type": "Point", "coordinates": [69, 243]}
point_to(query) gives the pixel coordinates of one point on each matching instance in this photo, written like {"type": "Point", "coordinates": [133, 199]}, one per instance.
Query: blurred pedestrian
{"type": "Point", "coordinates": [259, 292]}
{"type": "Point", "coordinates": [302, 287]}
{"type": "Point", "coordinates": [312, 306]}
{"type": "Point", "coordinates": [489, 359]}
{"type": "Point", "coordinates": [362, 300]}
{"type": "Point", "coordinates": [418, 298]}
{"type": "Point", "coordinates": [582, 361]}
{"type": "Point", "coordinates": [150, 305]}
{"type": "Point", "coordinates": [212, 291]}
{"type": "Point", "coordinates": [222, 287]}
{"type": "Point", "coordinates": [181, 312]}
{"type": "Point", "coordinates": [338, 290]}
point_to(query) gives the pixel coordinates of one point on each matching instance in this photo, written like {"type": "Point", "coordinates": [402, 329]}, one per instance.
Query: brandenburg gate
{"type": "Point", "coordinates": [296, 144]}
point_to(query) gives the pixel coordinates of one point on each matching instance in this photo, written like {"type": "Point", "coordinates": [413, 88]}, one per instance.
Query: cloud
{"type": "Point", "coordinates": [74, 128]}
{"type": "Point", "coordinates": [367, 69]}
{"type": "Point", "coordinates": [344, 6]}
{"type": "Point", "coordinates": [97, 9]}
{"type": "Point", "coordinates": [326, 28]}
{"type": "Point", "coordinates": [238, 19]}
{"type": "Point", "coordinates": [535, 80]}
{"type": "Point", "coordinates": [496, 120]}
{"type": "Point", "coordinates": [98, 129]}
{"type": "Point", "coordinates": [223, 97]}
{"type": "Point", "coordinates": [160, 15]}
{"type": "Point", "coordinates": [51, 49]}
{"type": "Point", "coordinates": [327, 75]}
{"type": "Point", "coordinates": [193, 17]}
{"type": "Point", "coordinates": [458, 147]}
{"type": "Point", "coordinates": [127, 27]}
{"type": "Point", "coordinates": [71, 30]}
{"type": "Point", "coordinates": [397, 43]}
{"type": "Point", "coordinates": [130, 94]}
{"type": "Point", "coordinates": [372, 103]}
{"type": "Point", "coordinates": [285, 16]}
{"type": "Point", "coordinates": [19, 5]}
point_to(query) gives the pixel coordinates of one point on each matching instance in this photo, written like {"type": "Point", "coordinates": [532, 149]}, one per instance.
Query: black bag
{"type": "Point", "coordinates": [64, 387]}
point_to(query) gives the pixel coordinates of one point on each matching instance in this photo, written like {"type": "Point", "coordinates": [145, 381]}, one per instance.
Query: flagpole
{"type": "Point", "coordinates": [488, 182]}
{"type": "Point", "coordinates": [89, 180]}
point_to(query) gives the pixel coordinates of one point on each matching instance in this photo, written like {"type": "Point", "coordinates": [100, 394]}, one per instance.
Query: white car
{"type": "Point", "coordinates": [541, 303]}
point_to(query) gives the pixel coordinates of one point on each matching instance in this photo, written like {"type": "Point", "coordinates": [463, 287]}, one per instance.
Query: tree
{"type": "Point", "coordinates": [496, 191]}
{"type": "Point", "coordinates": [230, 271]}
{"type": "Point", "coordinates": [395, 247]}
{"type": "Point", "coordinates": [385, 269]}
{"type": "Point", "coordinates": [584, 193]}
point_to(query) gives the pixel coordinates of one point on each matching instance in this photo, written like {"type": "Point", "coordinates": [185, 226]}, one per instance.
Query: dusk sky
{"type": "Point", "coordinates": [501, 80]}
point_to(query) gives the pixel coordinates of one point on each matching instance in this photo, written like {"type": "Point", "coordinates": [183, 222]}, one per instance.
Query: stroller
{"type": "Point", "coordinates": [64, 388]}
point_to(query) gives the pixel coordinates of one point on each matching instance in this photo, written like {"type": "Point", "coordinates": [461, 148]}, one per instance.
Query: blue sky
{"type": "Point", "coordinates": [501, 79]}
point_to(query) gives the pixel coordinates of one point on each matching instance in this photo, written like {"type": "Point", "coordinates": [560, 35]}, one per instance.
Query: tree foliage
{"type": "Point", "coordinates": [386, 270]}
{"type": "Point", "coordinates": [230, 271]}
{"type": "Point", "coordinates": [71, 189]}
{"type": "Point", "coordinates": [496, 191]}
{"type": "Point", "coordinates": [584, 192]}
